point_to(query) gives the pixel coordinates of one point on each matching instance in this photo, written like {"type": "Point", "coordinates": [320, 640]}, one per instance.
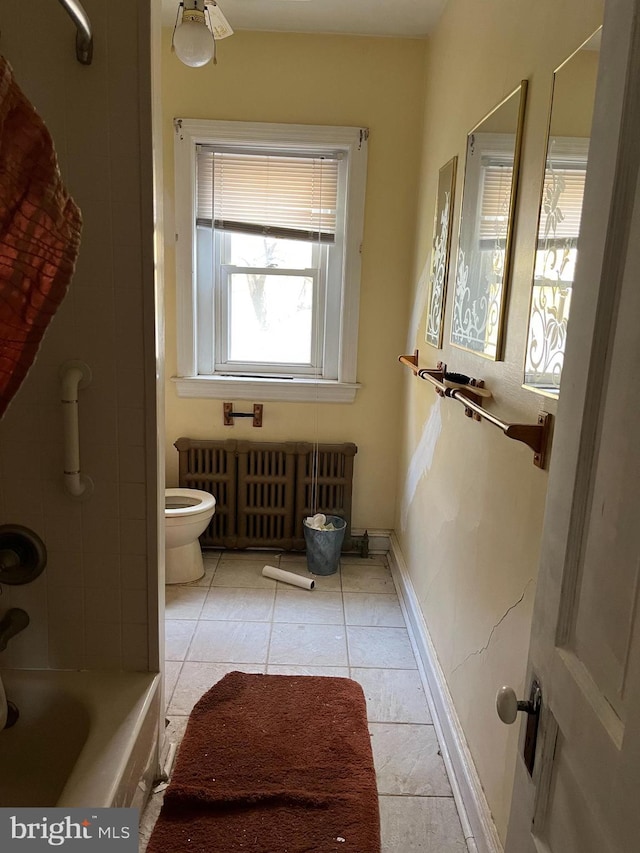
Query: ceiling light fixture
{"type": "Point", "coordinates": [198, 24]}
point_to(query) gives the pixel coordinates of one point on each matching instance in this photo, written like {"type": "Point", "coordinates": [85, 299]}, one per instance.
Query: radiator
{"type": "Point", "coordinates": [264, 490]}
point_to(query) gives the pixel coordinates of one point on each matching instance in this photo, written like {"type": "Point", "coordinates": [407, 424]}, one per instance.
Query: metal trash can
{"type": "Point", "coordinates": [323, 546]}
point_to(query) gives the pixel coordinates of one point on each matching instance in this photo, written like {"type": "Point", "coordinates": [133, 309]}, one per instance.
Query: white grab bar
{"type": "Point", "coordinates": [73, 375]}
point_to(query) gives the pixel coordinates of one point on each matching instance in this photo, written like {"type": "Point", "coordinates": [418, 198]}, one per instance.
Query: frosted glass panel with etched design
{"type": "Point", "coordinates": [560, 216]}
{"type": "Point", "coordinates": [486, 225]}
{"type": "Point", "coordinates": [440, 253]}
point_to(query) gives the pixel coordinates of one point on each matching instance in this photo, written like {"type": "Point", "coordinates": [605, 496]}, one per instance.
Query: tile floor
{"type": "Point", "coordinates": [351, 625]}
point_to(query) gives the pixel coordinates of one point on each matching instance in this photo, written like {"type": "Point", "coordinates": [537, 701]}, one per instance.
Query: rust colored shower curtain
{"type": "Point", "coordinates": [40, 229]}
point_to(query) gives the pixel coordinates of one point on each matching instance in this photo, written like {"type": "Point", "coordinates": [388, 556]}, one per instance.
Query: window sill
{"type": "Point", "coordinates": [266, 390]}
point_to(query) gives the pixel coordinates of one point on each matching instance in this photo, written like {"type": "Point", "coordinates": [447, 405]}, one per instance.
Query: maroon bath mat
{"type": "Point", "coordinates": [273, 764]}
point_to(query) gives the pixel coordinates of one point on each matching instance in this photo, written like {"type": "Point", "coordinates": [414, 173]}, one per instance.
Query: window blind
{"type": "Point", "coordinates": [496, 199]}
{"type": "Point", "coordinates": [561, 202]}
{"type": "Point", "coordinates": [270, 194]}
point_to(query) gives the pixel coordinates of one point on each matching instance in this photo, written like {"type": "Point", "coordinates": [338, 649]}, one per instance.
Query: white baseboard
{"type": "Point", "coordinates": [477, 824]}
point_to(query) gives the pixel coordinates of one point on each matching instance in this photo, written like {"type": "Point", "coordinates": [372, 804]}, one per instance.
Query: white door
{"type": "Point", "coordinates": [584, 795]}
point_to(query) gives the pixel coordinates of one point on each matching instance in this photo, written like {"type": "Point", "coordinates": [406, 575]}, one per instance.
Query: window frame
{"type": "Point", "coordinates": [351, 142]}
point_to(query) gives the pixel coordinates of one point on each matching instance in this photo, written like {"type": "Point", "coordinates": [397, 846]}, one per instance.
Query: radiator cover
{"type": "Point", "coordinates": [264, 490]}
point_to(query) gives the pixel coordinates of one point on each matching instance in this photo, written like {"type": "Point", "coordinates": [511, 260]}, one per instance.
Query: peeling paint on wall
{"type": "Point", "coordinates": [421, 459]}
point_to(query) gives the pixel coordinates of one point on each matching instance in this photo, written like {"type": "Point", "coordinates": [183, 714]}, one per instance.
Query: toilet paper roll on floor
{"type": "Point", "coordinates": [288, 577]}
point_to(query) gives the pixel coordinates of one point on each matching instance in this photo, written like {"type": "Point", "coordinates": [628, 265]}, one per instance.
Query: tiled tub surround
{"type": "Point", "coordinates": [89, 609]}
{"type": "Point", "coordinates": [351, 625]}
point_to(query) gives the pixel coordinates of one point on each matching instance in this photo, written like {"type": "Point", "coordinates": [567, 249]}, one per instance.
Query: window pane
{"type": "Point", "coordinates": [270, 318]}
{"type": "Point", "coordinates": [248, 250]}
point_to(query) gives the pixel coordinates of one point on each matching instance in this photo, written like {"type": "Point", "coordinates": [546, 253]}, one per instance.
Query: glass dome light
{"type": "Point", "coordinates": [193, 41]}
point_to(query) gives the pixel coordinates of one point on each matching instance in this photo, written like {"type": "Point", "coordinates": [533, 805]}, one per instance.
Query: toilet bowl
{"type": "Point", "coordinates": [187, 513]}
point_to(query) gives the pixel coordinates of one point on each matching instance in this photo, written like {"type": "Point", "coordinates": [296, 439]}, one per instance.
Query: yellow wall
{"type": "Point", "coordinates": [470, 502]}
{"type": "Point", "coordinates": [304, 79]}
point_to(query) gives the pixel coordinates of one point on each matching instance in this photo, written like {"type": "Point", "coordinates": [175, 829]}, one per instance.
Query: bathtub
{"type": "Point", "coordinates": [82, 738]}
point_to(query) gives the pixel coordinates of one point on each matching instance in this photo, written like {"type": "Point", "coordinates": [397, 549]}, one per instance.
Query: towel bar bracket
{"type": "Point", "coordinates": [467, 391]}
{"type": "Point", "coordinates": [229, 414]}
{"type": "Point", "coordinates": [535, 436]}
{"type": "Point", "coordinates": [444, 387]}
{"type": "Point", "coordinates": [471, 392]}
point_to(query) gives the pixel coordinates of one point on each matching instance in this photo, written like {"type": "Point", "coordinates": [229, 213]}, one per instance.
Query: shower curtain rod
{"type": "Point", "coordinates": [84, 36]}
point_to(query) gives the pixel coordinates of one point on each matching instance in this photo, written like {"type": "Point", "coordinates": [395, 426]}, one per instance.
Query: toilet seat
{"type": "Point", "coordinates": [183, 502]}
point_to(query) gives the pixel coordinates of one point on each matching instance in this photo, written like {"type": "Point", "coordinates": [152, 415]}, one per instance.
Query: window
{"type": "Point", "coordinates": [268, 226]}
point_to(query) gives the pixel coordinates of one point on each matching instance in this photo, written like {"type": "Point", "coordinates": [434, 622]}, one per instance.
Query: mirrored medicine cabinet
{"type": "Point", "coordinates": [486, 227]}
{"type": "Point", "coordinates": [560, 214]}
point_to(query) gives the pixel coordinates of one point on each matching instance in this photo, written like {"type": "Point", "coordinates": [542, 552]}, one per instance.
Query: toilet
{"type": "Point", "coordinates": [187, 512]}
